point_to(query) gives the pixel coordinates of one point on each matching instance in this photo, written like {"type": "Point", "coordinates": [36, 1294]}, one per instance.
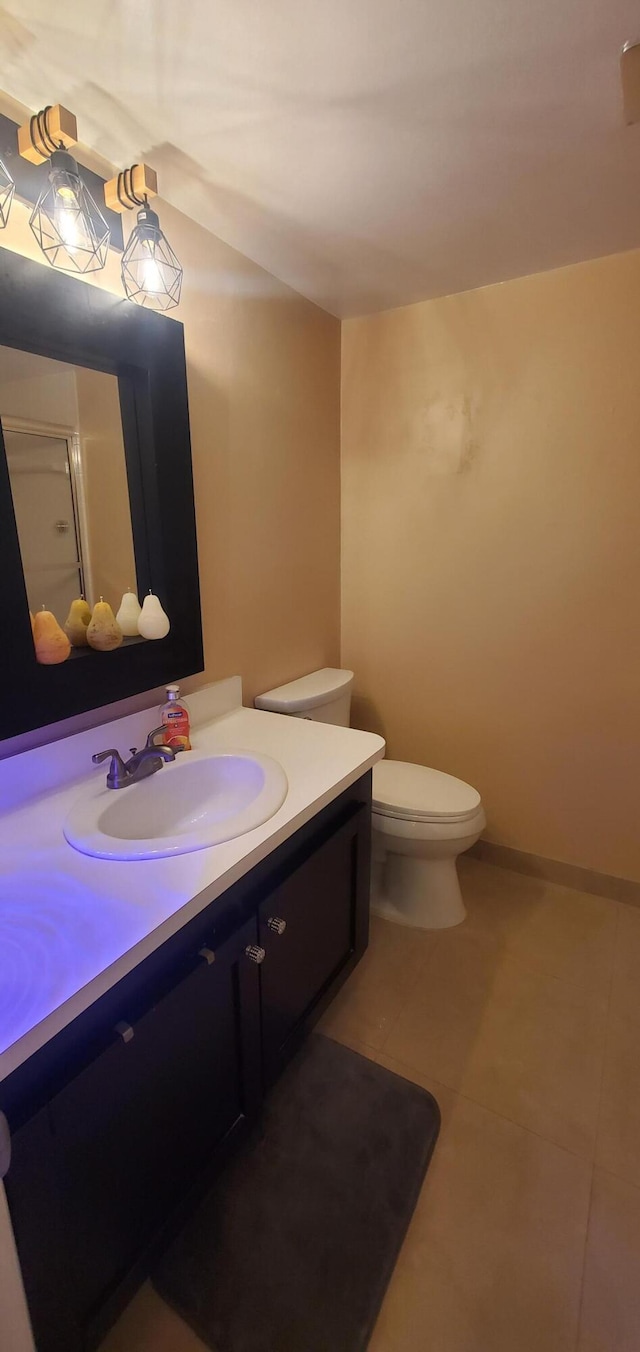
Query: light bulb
{"type": "Point", "coordinates": [150, 273]}
{"type": "Point", "coordinates": [67, 215]}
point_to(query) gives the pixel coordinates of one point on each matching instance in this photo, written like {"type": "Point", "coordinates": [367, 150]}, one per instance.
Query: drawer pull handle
{"type": "Point", "coordinates": [276, 925]}
{"type": "Point", "coordinates": [255, 953]}
{"type": "Point", "coordinates": [124, 1030]}
{"type": "Point", "coordinates": [208, 955]}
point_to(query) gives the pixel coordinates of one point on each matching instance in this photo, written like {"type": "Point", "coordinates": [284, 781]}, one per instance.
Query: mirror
{"type": "Point", "coordinates": [64, 445]}
{"type": "Point", "coordinates": [96, 491]}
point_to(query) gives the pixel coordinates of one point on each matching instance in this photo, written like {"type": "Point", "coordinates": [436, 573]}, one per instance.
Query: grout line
{"type": "Point", "coordinates": [411, 987]}
{"type": "Point", "coordinates": [597, 1133]}
{"type": "Point", "coordinates": [493, 1112]}
{"type": "Point", "coordinates": [584, 1262]}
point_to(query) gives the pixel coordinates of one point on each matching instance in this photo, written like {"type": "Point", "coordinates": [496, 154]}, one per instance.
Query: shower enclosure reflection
{"type": "Point", "coordinates": [46, 511]}
{"type": "Point", "coordinates": [64, 445]}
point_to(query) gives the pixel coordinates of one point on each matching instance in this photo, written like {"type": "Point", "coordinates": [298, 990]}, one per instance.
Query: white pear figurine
{"type": "Point", "coordinates": [129, 614]}
{"type": "Point", "coordinates": [152, 621]}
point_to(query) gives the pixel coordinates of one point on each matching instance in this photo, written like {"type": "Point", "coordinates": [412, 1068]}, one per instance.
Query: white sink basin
{"type": "Point", "coordinates": [193, 802]}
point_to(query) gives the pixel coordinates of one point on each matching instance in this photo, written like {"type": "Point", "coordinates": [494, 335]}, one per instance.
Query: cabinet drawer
{"type": "Point", "coordinates": [313, 928]}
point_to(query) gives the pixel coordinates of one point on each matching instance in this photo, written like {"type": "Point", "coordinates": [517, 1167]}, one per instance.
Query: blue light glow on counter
{"type": "Point", "coordinates": [54, 936]}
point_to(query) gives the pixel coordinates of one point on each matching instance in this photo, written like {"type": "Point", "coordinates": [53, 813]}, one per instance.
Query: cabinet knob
{"type": "Point", "coordinates": [124, 1030]}
{"type": "Point", "coordinates": [255, 953]}
{"type": "Point", "coordinates": [208, 955]}
{"type": "Point", "coordinates": [276, 925]}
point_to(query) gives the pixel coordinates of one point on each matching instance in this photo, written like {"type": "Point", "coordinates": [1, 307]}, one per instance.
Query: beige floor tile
{"type": "Point", "coordinates": [438, 1028]}
{"type": "Point", "coordinates": [148, 1325]}
{"type": "Point", "coordinates": [513, 1038]}
{"type": "Point", "coordinates": [372, 998]}
{"type": "Point", "coordinates": [625, 985]}
{"type": "Point", "coordinates": [569, 934]}
{"type": "Point", "coordinates": [445, 1098]}
{"type": "Point", "coordinates": [610, 1320]}
{"type": "Point", "coordinates": [618, 1144]}
{"type": "Point", "coordinates": [492, 1261]}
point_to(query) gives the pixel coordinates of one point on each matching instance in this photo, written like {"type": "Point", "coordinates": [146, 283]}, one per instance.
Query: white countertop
{"type": "Point", "coordinates": [71, 926]}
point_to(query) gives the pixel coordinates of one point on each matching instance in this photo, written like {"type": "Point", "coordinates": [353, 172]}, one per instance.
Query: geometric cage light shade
{"type": "Point", "coordinates": [151, 273]}
{"type": "Point", "coordinates": [7, 189]}
{"type": "Point", "coordinates": [66, 222]}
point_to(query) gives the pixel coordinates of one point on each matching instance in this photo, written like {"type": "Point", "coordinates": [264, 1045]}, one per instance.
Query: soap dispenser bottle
{"type": "Point", "coordinates": [174, 716]}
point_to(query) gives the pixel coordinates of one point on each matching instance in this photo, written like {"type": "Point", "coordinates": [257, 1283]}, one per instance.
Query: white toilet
{"type": "Point", "coordinates": [422, 819]}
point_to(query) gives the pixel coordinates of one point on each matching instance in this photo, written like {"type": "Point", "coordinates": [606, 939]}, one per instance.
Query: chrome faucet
{"type": "Point", "coordinates": [140, 765]}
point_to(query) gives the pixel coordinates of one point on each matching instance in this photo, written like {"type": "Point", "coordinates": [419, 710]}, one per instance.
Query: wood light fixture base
{"type": "Point", "coordinates": [51, 129]}
{"type": "Point", "coordinates": [132, 188]}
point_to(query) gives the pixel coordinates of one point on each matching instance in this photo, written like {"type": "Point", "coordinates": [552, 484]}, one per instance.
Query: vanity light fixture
{"type": "Point", "coordinates": [151, 273]}
{"type": "Point", "coordinates": [69, 227]}
{"type": "Point", "coordinates": [7, 189]}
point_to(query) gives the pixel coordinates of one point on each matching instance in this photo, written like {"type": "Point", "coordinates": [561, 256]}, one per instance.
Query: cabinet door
{"type": "Point", "coordinates": [130, 1137]}
{"type": "Point", "coordinates": [313, 928]}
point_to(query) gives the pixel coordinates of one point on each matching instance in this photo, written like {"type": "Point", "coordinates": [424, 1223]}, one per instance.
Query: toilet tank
{"type": "Point", "coordinates": [323, 696]}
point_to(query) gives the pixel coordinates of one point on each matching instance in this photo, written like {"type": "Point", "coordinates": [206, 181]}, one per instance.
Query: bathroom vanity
{"type": "Point", "coordinates": [122, 1101]}
{"type": "Point", "coordinates": [148, 1000]}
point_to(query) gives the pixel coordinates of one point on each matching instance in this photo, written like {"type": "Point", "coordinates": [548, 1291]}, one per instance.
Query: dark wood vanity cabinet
{"type": "Point", "coordinates": [114, 1154]}
{"type": "Point", "coordinates": [119, 1123]}
{"type": "Point", "coordinates": [310, 928]}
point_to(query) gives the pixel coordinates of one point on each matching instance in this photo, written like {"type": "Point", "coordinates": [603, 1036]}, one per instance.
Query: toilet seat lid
{"type": "Point", "coordinates": [418, 793]}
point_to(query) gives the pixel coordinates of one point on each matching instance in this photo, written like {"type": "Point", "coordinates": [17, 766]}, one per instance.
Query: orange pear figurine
{"type": "Point", "coordinates": [51, 642]}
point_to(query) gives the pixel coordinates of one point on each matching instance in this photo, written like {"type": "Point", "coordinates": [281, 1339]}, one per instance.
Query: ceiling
{"type": "Point", "coordinates": [368, 152]}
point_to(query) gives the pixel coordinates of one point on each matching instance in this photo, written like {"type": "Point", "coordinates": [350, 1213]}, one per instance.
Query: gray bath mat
{"type": "Point", "coordinates": [293, 1248]}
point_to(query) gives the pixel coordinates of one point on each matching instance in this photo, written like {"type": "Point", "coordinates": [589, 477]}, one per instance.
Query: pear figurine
{"type": "Point", "coordinates": [75, 625]}
{"type": "Point", "coordinates": [153, 623]}
{"type": "Point", "coordinates": [129, 614]}
{"type": "Point", "coordinates": [103, 632]}
{"type": "Point", "coordinates": [51, 642]}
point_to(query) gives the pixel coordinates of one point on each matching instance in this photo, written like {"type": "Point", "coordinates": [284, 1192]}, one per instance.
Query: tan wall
{"type": "Point", "coordinates": [109, 539]}
{"type": "Point", "coordinates": [263, 368]}
{"type": "Point", "coordinates": [491, 550]}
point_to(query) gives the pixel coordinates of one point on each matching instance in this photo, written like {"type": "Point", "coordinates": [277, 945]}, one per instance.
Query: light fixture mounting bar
{"type": "Point", "coordinates": [51, 129]}
{"type": "Point", "coordinates": [132, 188]}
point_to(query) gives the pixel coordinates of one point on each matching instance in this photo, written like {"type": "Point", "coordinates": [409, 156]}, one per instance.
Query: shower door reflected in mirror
{"type": "Point", "coordinates": [64, 444]}
{"type": "Point", "coordinates": [46, 516]}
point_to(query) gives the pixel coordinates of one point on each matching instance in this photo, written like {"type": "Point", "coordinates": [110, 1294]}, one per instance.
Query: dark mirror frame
{"type": "Point", "coordinates": [53, 315]}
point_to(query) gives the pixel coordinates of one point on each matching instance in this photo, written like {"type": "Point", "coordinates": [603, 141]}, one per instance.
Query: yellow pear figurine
{"type": "Point", "coordinates": [103, 632]}
{"type": "Point", "coordinates": [75, 625]}
{"type": "Point", "coordinates": [51, 642]}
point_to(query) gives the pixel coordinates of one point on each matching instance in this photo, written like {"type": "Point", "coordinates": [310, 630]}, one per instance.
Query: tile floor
{"type": "Point", "coordinates": [525, 1024]}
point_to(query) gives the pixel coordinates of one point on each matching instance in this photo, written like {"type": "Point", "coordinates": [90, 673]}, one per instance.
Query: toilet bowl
{"type": "Point", "coordinates": [422, 820]}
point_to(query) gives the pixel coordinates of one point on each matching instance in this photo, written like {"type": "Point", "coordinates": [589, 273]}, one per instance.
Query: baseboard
{"type": "Point", "coordinates": [555, 871]}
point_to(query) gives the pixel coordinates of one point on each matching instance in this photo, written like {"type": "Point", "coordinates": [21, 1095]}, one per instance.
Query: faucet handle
{"type": "Point", "coordinates": [151, 739]}
{"type": "Point", "coordinates": [117, 773]}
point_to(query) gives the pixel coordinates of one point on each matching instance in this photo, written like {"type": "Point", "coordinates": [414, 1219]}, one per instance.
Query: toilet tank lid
{"type": "Point", "coordinates": [319, 687]}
